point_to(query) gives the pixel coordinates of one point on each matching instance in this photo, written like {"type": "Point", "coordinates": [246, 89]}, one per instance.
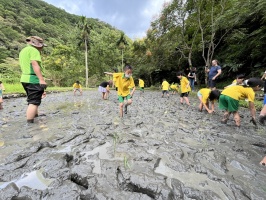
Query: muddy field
{"type": "Point", "coordinates": [78, 148]}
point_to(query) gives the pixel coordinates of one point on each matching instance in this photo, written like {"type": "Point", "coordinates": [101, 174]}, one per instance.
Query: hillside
{"type": "Point", "coordinates": [22, 18]}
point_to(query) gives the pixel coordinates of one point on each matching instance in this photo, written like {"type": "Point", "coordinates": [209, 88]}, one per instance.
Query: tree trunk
{"type": "Point", "coordinates": [86, 63]}
{"type": "Point", "coordinates": [122, 61]}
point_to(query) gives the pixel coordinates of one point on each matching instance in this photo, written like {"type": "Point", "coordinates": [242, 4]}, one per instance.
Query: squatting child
{"type": "Point", "coordinates": [205, 95]}
{"type": "Point", "coordinates": [230, 97]}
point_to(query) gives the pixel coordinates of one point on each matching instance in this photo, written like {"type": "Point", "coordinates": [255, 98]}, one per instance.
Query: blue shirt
{"type": "Point", "coordinates": [213, 71]}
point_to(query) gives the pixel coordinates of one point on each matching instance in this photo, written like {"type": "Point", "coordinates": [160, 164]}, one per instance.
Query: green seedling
{"type": "Point", "coordinates": [115, 140]}
{"type": "Point", "coordinates": [126, 164]}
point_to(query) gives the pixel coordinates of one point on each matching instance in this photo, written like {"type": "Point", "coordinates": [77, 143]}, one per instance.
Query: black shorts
{"type": "Point", "coordinates": [34, 93]}
{"type": "Point", "coordinates": [165, 91]}
{"type": "Point", "coordinates": [212, 83]}
{"type": "Point", "coordinates": [185, 94]}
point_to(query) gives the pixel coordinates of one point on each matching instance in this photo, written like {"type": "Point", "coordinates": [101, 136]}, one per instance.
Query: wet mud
{"type": "Point", "coordinates": [78, 148]}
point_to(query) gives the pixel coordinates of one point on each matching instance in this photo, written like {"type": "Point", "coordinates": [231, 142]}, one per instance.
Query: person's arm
{"type": "Point", "coordinates": [108, 73]}
{"type": "Point", "coordinates": [212, 106]}
{"type": "Point", "coordinates": [207, 70]}
{"type": "Point", "coordinates": [219, 72]}
{"type": "Point", "coordinates": [206, 107]}
{"type": "Point", "coordinates": [37, 70]}
{"type": "Point", "coordinates": [252, 110]}
{"type": "Point", "coordinates": [132, 92]}
{"type": "Point", "coordinates": [2, 86]}
{"type": "Point", "coordinates": [263, 76]}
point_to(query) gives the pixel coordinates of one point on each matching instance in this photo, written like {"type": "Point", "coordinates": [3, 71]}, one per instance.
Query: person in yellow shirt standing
{"type": "Point", "coordinates": [165, 88]}
{"type": "Point", "coordinates": [185, 88]}
{"type": "Point", "coordinates": [77, 87]}
{"type": "Point", "coordinates": [205, 95]}
{"type": "Point", "coordinates": [229, 99]}
{"type": "Point", "coordinates": [141, 85]}
{"type": "Point", "coordinates": [124, 82]}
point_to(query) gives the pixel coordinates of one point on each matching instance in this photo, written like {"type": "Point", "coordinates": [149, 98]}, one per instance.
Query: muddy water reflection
{"type": "Point", "coordinates": [160, 150]}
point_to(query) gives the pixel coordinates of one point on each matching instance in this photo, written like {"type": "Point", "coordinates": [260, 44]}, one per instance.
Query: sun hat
{"type": "Point", "coordinates": [35, 41]}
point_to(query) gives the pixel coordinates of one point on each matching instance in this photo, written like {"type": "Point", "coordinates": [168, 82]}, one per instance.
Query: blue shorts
{"type": "Point", "coordinates": [264, 102]}
{"type": "Point", "coordinates": [199, 94]}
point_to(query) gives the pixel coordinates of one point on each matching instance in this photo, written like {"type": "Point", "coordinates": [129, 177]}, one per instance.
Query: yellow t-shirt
{"type": "Point", "coordinates": [234, 81]}
{"type": "Point", "coordinates": [184, 82]}
{"type": "Point", "coordinates": [174, 87]}
{"type": "Point", "coordinates": [205, 92]}
{"type": "Point", "coordinates": [141, 83]}
{"type": "Point", "coordinates": [76, 86]}
{"type": "Point", "coordinates": [165, 85]}
{"type": "Point", "coordinates": [239, 92]}
{"type": "Point", "coordinates": [115, 75]}
{"type": "Point", "coordinates": [123, 84]}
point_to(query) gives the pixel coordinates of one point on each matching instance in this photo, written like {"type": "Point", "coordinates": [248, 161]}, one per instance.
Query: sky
{"type": "Point", "coordinates": [133, 17]}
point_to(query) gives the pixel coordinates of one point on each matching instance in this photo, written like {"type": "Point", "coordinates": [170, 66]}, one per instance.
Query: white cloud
{"type": "Point", "coordinates": [131, 16]}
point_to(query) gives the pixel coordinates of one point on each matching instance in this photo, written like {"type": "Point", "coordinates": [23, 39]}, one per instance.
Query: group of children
{"type": "Point", "coordinates": [228, 99]}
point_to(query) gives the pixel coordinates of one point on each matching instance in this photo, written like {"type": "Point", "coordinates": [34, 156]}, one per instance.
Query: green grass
{"type": "Point", "coordinates": [17, 89]}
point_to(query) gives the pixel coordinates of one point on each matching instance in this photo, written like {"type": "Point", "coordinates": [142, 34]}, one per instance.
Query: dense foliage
{"type": "Point", "coordinates": [64, 58]}
{"type": "Point", "coordinates": [193, 32]}
{"type": "Point", "coordinates": [185, 33]}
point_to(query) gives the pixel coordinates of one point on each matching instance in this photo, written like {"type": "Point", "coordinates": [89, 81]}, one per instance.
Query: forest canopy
{"type": "Point", "coordinates": [186, 33]}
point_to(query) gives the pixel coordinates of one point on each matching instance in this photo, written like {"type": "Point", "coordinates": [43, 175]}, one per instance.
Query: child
{"type": "Point", "coordinates": [262, 117]}
{"type": "Point", "coordinates": [104, 88]}
{"type": "Point", "coordinates": [124, 82]}
{"type": "Point", "coordinates": [77, 87]}
{"type": "Point", "coordinates": [174, 88]}
{"type": "Point", "coordinates": [141, 85]}
{"type": "Point", "coordinates": [185, 88]}
{"type": "Point", "coordinates": [229, 99]}
{"type": "Point", "coordinates": [165, 88]}
{"type": "Point", "coordinates": [238, 81]}
{"type": "Point", "coordinates": [205, 95]}
{"type": "Point", "coordinates": [2, 88]}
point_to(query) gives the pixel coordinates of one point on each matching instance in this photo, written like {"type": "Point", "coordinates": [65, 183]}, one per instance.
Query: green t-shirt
{"type": "Point", "coordinates": [28, 54]}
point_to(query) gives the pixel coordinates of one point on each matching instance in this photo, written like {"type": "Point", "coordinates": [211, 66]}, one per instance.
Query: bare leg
{"type": "Point", "coordinates": [32, 110]}
{"type": "Point", "coordinates": [181, 100]}
{"type": "Point", "coordinates": [187, 101]}
{"type": "Point", "coordinates": [236, 118]}
{"type": "Point", "coordinates": [263, 162]}
{"type": "Point", "coordinates": [121, 109]}
{"type": "Point", "coordinates": [225, 117]}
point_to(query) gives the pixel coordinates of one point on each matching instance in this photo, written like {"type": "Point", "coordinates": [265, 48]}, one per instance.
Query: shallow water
{"type": "Point", "coordinates": [159, 150]}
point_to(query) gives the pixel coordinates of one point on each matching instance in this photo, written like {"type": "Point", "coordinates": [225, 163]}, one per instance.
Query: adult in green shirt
{"type": "Point", "coordinates": [32, 77]}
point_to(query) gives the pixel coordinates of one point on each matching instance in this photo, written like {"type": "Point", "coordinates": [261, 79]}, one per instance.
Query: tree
{"type": "Point", "coordinates": [121, 44]}
{"type": "Point", "coordinates": [85, 33]}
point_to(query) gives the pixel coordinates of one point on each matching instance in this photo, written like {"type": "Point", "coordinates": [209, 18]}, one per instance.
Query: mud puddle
{"type": "Point", "coordinates": [78, 148]}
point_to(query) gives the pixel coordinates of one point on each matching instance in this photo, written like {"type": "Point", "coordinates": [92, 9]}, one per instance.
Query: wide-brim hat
{"type": "Point", "coordinates": [35, 41]}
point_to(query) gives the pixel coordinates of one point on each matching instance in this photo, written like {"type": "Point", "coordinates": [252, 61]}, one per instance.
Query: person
{"type": "Point", "coordinates": [263, 161]}
{"type": "Point", "coordinates": [141, 85]}
{"type": "Point", "coordinates": [165, 88]}
{"type": "Point", "coordinates": [124, 82]}
{"type": "Point", "coordinates": [238, 81]}
{"type": "Point", "coordinates": [32, 78]}
{"type": "Point", "coordinates": [2, 88]}
{"type": "Point", "coordinates": [213, 73]}
{"type": "Point", "coordinates": [77, 87]}
{"type": "Point", "coordinates": [174, 88]}
{"type": "Point", "coordinates": [229, 99]}
{"type": "Point", "coordinates": [262, 116]}
{"type": "Point", "coordinates": [104, 88]}
{"type": "Point", "coordinates": [205, 95]}
{"type": "Point", "coordinates": [185, 88]}
{"type": "Point", "coordinates": [192, 77]}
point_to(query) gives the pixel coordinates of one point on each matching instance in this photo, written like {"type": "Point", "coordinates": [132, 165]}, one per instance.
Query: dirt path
{"type": "Point", "coordinates": [80, 149]}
